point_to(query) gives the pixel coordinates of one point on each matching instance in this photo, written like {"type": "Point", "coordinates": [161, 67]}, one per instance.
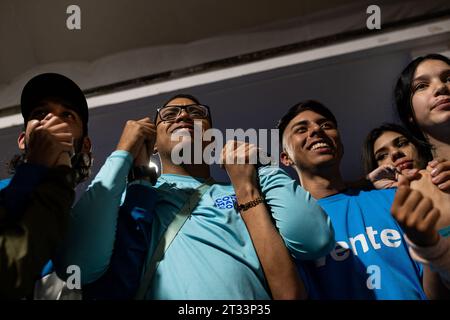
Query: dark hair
{"type": "Point", "coordinates": [403, 94]}
{"type": "Point", "coordinates": [298, 108]}
{"type": "Point", "coordinates": [15, 162]}
{"type": "Point", "coordinates": [368, 154]}
{"type": "Point", "coordinates": [181, 96]}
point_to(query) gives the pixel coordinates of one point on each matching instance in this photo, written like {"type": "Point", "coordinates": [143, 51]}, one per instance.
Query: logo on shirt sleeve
{"type": "Point", "coordinates": [226, 202]}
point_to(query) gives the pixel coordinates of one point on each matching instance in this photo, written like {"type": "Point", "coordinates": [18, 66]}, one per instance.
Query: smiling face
{"type": "Point", "coordinates": [392, 148]}
{"type": "Point", "coordinates": [431, 95]}
{"type": "Point", "coordinates": [182, 124]}
{"type": "Point", "coordinates": [311, 142]}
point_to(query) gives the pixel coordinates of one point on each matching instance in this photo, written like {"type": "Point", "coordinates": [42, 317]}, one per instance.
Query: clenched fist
{"type": "Point", "coordinates": [239, 159]}
{"type": "Point", "coordinates": [50, 142]}
{"type": "Point", "coordinates": [138, 138]}
{"type": "Point", "coordinates": [417, 216]}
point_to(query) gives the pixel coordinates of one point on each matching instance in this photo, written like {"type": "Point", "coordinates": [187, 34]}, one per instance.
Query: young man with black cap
{"type": "Point", "coordinates": [54, 145]}
{"type": "Point", "coordinates": [31, 229]}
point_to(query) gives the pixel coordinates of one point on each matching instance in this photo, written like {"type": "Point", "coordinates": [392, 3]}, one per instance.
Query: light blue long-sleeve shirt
{"type": "Point", "coordinates": [92, 227]}
{"type": "Point", "coordinates": [213, 256]}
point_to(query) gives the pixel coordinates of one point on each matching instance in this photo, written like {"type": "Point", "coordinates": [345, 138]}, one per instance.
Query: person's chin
{"type": "Point", "coordinates": [446, 118]}
{"type": "Point", "coordinates": [325, 160]}
{"type": "Point", "coordinates": [325, 156]}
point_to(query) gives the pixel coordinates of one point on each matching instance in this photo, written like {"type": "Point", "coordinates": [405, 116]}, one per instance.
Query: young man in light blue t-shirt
{"type": "Point", "coordinates": [371, 259]}
{"type": "Point", "coordinates": [219, 252]}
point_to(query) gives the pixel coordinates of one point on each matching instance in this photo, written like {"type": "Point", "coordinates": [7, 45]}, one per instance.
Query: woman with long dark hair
{"type": "Point", "coordinates": [422, 95]}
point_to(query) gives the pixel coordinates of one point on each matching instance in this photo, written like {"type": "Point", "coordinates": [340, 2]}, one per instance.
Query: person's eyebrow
{"type": "Point", "coordinates": [38, 108]}
{"type": "Point", "coordinates": [383, 148]}
{"type": "Point", "coordinates": [420, 78]}
{"type": "Point", "coordinates": [427, 77]}
{"type": "Point", "coordinates": [397, 140]}
{"type": "Point", "coordinates": [68, 108]}
{"type": "Point", "coordinates": [394, 142]}
{"type": "Point", "coordinates": [323, 120]}
{"type": "Point", "coordinates": [445, 72]}
{"type": "Point", "coordinates": [300, 123]}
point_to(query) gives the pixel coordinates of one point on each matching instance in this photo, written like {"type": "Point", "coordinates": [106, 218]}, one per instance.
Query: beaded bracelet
{"type": "Point", "coordinates": [250, 204]}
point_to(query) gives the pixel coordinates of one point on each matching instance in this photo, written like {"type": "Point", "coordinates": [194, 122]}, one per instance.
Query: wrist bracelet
{"type": "Point", "coordinates": [250, 204]}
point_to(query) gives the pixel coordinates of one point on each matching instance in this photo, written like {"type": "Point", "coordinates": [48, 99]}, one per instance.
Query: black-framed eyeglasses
{"type": "Point", "coordinates": [195, 111]}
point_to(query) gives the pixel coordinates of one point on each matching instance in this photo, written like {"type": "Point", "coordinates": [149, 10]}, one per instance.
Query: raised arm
{"type": "Point", "coordinates": [278, 265]}
{"type": "Point", "coordinates": [92, 226]}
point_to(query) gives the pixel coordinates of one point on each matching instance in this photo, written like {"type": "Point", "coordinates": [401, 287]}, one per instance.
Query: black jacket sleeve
{"type": "Point", "coordinates": [26, 244]}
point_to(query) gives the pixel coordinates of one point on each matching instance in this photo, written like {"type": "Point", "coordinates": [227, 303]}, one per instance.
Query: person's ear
{"type": "Point", "coordinates": [284, 157]}
{"type": "Point", "coordinates": [21, 141]}
{"type": "Point", "coordinates": [155, 149]}
{"type": "Point", "coordinates": [87, 145]}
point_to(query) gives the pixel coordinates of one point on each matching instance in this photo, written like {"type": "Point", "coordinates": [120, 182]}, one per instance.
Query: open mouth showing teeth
{"type": "Point", "coordinates": [320, 145]}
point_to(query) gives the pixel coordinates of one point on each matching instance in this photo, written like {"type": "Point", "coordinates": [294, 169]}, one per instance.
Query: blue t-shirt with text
{"type": "Point", "coordinates": [371, 259]}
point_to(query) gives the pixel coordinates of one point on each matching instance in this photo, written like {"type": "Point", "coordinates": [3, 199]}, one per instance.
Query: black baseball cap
{"type": "Point", "coordinates": [56, 86]}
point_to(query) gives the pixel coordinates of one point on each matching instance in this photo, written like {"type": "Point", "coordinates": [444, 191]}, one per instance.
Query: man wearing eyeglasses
{"type": "Point", "coordinates": [218, 250]}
